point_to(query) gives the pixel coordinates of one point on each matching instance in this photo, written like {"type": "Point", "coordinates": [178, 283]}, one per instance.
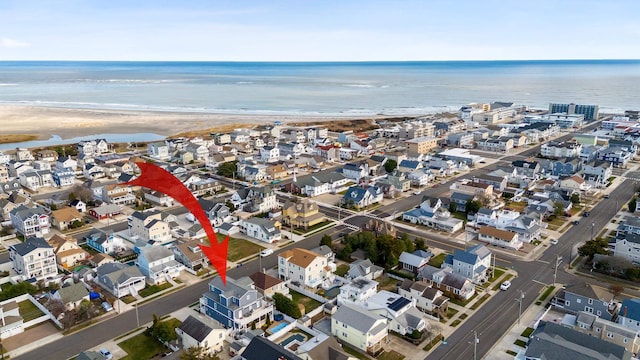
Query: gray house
{"type": "Point", "coordinates": [588, 298]}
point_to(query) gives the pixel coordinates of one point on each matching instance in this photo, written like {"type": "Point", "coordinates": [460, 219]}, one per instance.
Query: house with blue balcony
{"type": "Point", "coordinates": [105, 243]}
{"type": "Point", "coordinates": [236, 305]}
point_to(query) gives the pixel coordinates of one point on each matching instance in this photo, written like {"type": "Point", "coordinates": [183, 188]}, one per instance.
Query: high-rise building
{"type": "Point", "coordinates": [590, 112]}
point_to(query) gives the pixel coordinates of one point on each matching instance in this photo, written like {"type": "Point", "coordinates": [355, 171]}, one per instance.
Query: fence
{"type": "Point", "coordinates": [47, 315]}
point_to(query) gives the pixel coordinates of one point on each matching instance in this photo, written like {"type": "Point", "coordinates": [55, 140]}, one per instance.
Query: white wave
{"type": "Point", "coordinates": [126, 81]}
{"type": "Point", "coordinates": [244, 82]}
{"type": "Point", "coordinates": [366, 86]}
{"type": "Point", "coordinates": [7, 84]}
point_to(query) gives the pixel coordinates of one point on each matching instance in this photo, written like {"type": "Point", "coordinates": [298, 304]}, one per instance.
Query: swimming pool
{"type": "Point", "coordinates": [278, 327]}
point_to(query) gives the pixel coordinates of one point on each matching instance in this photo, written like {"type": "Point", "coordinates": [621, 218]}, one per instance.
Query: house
{"type": "Point", "coordinates": [357, 292]}
{"type": "Point", "coordinates": [360, 328]}
{"type": "Point", "coordinates": [409, 165]}
{"type": "Point", "coordinates": [71, 296]}
{"type": "Point", "coordinates": [556, 150]}
{"type": "Point", "coordinates": [106, 243]}
{"type": "Point", "coordinates": [364, 268]}
{"type": "Point", "coordinates": [575, 183]}
{"type": "Point", "coordinates": [204, 187]}
{"type": "Point", "coordinates": [426, 297]}
{"type": "Point", "coordinates": [276, 172]}
{"type": "Point", "coordinates": [556, 342]}
{"type": "Point", "coordinates": [65, 162]}
{"type": "Point", "coordinates": [12, 321]}
{"type": "Point", "coordinates": [499, 237]}
{"type": "Point", "coordinates": [269, 154]}
{"type": "Point", "coordinates": [217, 212]}
{"type": "Point", "coordinates": [158, 198]}
{"type": "Point", "coordinates": [597, 173]}
{"type": "Point", "coordinates": [451, 284]}
{"type": "Point", "coordinates": [93, 147]}
{"type": "Point", "coordinates": [606, 330]}
{"type": "Point", "coordinates": [399, 180]}
{"type": "Point", "coordinates": [260, 229]}
{"type": "Point", "coordinates": [415, 261]}
{"type": "Point", "coordinates": [120, 279]}
{"type": "Point", "coordinates": [5, 209]}
{"type": "Point", "coordinates": [323, 346]}
{"type": "Point", "coordinates": [101, 259]}
{"type": "Point", "coordinates": [66, 217]}
{"type": "Point", "coordinates": [421, 145]}
{"type": "Point", "coordinates": [585, 297]}
{"type": "Point", "coordinates": [402, 315]}
{"type": "Point", "coordinates": [67, 251]}
{"type": "Point", "coordinates": [318, 184]}
{"type": "Point", "coordinates": [303, 266]}
{"type": "Point", "coordinates": [30, 221]}
{"type": "Point", "coordinates": [236, 305]}
{"type": "Point", "coordinates": [33, 258]}
{"type": "Point", "coordinates": [190, 255]}
{"type": "Point", "coordinates": [361, 197]}
{"type": "Point", "coordinates": [460, 199]}
{"type": "Point", "coordinates": [528, 169]}
{"type": "Point", "coordinates": [433, 214]}
{"type": "Point", "coordinates": [93, 171]}
{"type": "Point", "coordinates": [268, 285]}
{"type": "Point", "coordinates": [79, 205]}
{"type": "Point", "coordinates": [616, 156]}
{"type": "Point", "coordinates": [158, 264]}
{"type": "Point", "coordinates": [148, 225]}
{"type": "Point", "coordinates": [629, 315]}
{"type": "Point", "coordinates": [627, 246]}
{"type": "Point", "coordinates": [36, 179]}
{"type": "Point", "coordinates": [198, 331]}
{"type": "Point", "coordinates": [302, 214]}
{"type": "Point", "coordinates": [472, 263]}
{"type": "Point", "coordinates": [255, 199]}
{"type": "Point", "coordinates": [159, 150]}
{"type": "Point", "coordinates": [228, 229]}
{"type": "Point", "coordinates": [105, 211]}
{"type": "Point", "coordinates": [324, 250]}
{"type": "Point", "coordinates": [260, 348]}
{"type": "Point", "coordinates": [118, 194]}
{"type": "Point", "coordinates": [355, 171]}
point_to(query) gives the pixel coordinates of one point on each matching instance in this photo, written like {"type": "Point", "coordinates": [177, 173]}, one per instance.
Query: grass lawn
{"type": "Point", "coordinates": [437, 261]}
{"type": "Point", "coordinates": [456, 322]}
{"type": "Point", "coordinates": [480, 301]}
{"type": "Point", "coordinates": [128, 299]}
{"type": "Point", "coordinates": [520, 343]}
{"type": "Point", "coordinates": [527, 332]}
{"type": "Point", "coordinates": [387, 283]}
{"type": "Point", "coordinates": [152, 289]}
{"type": "Point", "coordinates": [546, 293]}
{"type": "Point", "coordinates": [309, 303]}
{"type": "Point", "coordinates": [342, 269]}
{"type": "Point", "coordinates": [355, 353]}
{"type": "Point", "coordinates": [141, 347]}
{"type": "Point", "coordinates": [496, 275]}
{"type": "Point", "coordinates": [240, 249]}
{"type": "Point", "coordinates": [29, 311]}
{"type": "Point", "coordinates": [434, 341]}
{"type": "Point", "coordinates": [464, 303]}
{"type": "Point", "coordinates": [390, 355]}
{"type": "Point", "coordinates": [311, 228]}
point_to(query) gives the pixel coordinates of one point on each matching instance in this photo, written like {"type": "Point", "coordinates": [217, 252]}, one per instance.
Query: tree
{"type": "Point", "coordinates": [558, 208]}
{"type": "Point", "coordinates": [632, 204]}
{"type": "Point", "coordinates": [230, 205]}
{"type": "Point", "coordinates": [452, 207]}
{"type": "Point", "coordinates": [390, 165]}
{"type": "Point", "coordinates": [346, 252]}
{"type": "Point", "coordinates": [228, 169]}
{"type": "Point", "coordinates": [287, 306]}
{"type": "Point", "coordinates": [81, 192]}
{"type": "Point", "coordinates": [326, 240]}
{"type": "Point", "coordinates": [420, 244]}
{"type": "Point", "coordinates": [472, 206]}
{"type": "Point", "coordinates": [616, 289]}
{"type": "Point", "coordinates": [575, 198]}
{"type": "Point", "coordinates": [198, 353]}
{"type": "Point", "coordinates": [592, 247]}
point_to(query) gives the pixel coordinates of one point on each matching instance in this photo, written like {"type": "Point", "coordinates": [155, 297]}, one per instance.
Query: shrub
{"type": "Point", "coordinates": [286, 306]}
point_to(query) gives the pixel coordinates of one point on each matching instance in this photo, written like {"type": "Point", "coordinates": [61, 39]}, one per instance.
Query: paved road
{"type": "Point", "coordinates": [501, 311]}
{"type": "Point", "coordinates": [108, 329]}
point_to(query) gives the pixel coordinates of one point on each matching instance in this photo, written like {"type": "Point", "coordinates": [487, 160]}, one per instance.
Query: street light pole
{"type": "Point", "coordinates": [519, 299]}
{"type": "Point", "coordinates": [593, 224]}
{"type": "Point", "coordinates": [555, 270]}
{"type": "Point", "coordinates": [475, 345]}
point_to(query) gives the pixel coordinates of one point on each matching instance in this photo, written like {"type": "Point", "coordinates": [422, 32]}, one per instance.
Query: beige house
{"type": "Point", "coordinates": [499, 237]}
{"type": "Point", "coordinates": [267, 285]}
{"type": "Point", "coordinates": [302, 214]}
{"type": "Point", "coordinates": [65, 217]}
{"type": "Point", "coordinates": [67, 251]}
{"type": "Point", "coordinates": [303, 266]}
{"type": "Point", "coordinates": [421, 145]}
{"type": "Point", "coordinates": [149, 225]}
{"type": "Point", "coordinates": [574, 182]}
{"type": "Point", "coordinates": [360, 328]}
{"type": "Point", "coordinates": [198, 331]}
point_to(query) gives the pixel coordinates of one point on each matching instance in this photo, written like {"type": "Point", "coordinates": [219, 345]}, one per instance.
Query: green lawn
{"type": "Point", "coordinates": [355, 353]}
{"type": "Point", "coordinates": [152, 289]}
{"type": "Point", "coordinates": [520, 343]}
{"type": "Point", "coordinates": [240, 249]}
{"type": "Point", "coordinates": [434, 341]}
{"type": "Point", "coordinates": [464, 303]}
{"type": "Point", "coordinates": [456, 322]}
{"type": "Point", "coordinates": [390, 355]}
{"type": "Point", "coordinates": [496, 274]}
{"type": "Point", "coordinates": [342, 270]}
{"type": "Point", "coordinates": [480, 301]}
{"type": "Point", "coordinates": [301, 231]}
{"type": "Point", "coordinates": [29, 311]}
{"type": "Point", "coordinates": [141, 347]}
{"type": "Point", "coordinates": [387, 283]}
{"type": "Point", "coordinates": [546, 293]}
{"type": "Point", "coordinates": [527, 332]}
{"type": "Point", "coordinates": [437, 261]}
{"type": "Point", "coordinates": [309, 303]}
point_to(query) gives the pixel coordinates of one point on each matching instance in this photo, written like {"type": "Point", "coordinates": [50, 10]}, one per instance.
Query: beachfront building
{"type": "Point", "coordinates": [421, 145]}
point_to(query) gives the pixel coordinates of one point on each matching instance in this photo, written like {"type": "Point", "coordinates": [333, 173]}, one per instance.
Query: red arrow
{"type": "Point", "coordinates": [158, 179]}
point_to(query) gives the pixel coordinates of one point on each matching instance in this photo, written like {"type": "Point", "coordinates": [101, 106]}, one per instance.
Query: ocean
{"type": "Point", "coordinates": [334, 88]}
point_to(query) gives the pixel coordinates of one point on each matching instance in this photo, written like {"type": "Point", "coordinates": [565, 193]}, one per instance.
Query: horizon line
{"type": "Point", "coordinates": [331, 61]}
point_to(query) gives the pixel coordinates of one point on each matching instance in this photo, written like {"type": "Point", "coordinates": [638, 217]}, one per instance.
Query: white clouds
{"type": "Point", "coordinates": [12, 43]}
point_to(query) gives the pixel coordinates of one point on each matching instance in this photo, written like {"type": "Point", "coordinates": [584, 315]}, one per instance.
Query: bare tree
{"type": "Point", "coordinates": [616, 290]}
{"type": "Point", "coordinates": [55, 306]}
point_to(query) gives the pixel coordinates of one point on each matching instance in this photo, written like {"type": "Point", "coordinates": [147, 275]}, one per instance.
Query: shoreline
{"type": "Point", "coordinates": [44, 122]}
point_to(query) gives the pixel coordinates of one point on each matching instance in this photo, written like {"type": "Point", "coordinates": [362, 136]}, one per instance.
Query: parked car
{"type": "Point", "coordinates": [554, 241]}
{"type": "Point", "coordinates": [606, 196]}
{"type": "Point", "coordinates": [106, 353]}
{"type": "Point", "coordinates": [505, 285]}
{"type": "Point", "coordinates": [266, 252]}
{"type": "Point", "coordinates": [576, 222]}
{"type": "Point", "coordinates": [107, 307]}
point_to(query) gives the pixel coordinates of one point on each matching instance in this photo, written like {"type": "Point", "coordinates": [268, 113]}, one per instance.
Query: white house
{"type": "Point", "coordinates": [303, 266]}
{"type": "Point", "coordinates": [33, 258]}
{"type": "Point", "coordinates": [472, 263]}
{"type": "Point", "coordinates": [426, 297]}
{"type": "Point", "coordinates": [30, 221]}
{"type": "Point", "coordinates": [269, 154]}
{"type": "Point", "coordinates": [574, 182]}
{"type": "Point", "coordinates": [499, 237]}
{"type": "Point", "coordinates": [260, 229]}
{"type": "Point", "coordinates": [401, 312]}
{"type": "Point", "coordinates": [197, 331]}
{"type": "Point", "coordinates": [357, 291]}
{"type": "Point", "coordinates": [360, 328]}
{"type": "Point", "coordinates": [159, 150]}
{"type": "Point", "coordinates": [158, 264]}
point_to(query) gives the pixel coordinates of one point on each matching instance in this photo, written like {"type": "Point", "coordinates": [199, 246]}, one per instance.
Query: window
{"type": "Point", "coordinates": [610, 335]}
{"type": "Point", "coordinates": [590, 301]}
{"type": "Point", "coordinates": [579, 301]}
{"type": "Point", "coordinates": [625, 340]}
{"type": "Point", "coordinates": [344, 334]}
{"type": "Point", "coordinates": [567, 303]}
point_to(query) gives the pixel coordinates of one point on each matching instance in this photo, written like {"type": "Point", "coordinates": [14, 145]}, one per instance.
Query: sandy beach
{"type": "Point", "coordinates": [68, 123]}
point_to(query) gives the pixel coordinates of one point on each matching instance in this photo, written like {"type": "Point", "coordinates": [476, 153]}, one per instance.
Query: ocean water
{"type": "Point", "coordinates": [392, 88]}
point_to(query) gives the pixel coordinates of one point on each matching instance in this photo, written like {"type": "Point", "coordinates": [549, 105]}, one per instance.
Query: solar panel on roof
{"type": "Point", "coordinates": [399, 303]}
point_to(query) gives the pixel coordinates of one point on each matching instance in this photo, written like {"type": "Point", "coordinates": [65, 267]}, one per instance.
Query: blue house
{"type": "Point", "coordinates": [362, 196]}
{"type": "Point", "coordinates": [409, 165]}
{"type": "Point", "coordinates": [565, 167]}
{"type": "Point", "coordinates": [236, 305]}
{"type": "Point", "coordinates": [103, 242]}
{"type": "Point", "coordinates": [629, 315]}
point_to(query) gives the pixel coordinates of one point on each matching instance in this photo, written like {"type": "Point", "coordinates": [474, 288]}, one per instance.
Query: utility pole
{"type": "Point", "coordinates": [555, 270]}
{"type": "Point", "coordinates": [137, 318]}
{"type": "Point", "coordinates": [519, 299]}
{"type": "Point", "coordinates": [593, 224]}
{"type": "Point", "coordinates": [475, 345]}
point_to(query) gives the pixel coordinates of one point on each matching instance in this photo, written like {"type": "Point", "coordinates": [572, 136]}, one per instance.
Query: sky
{"type": "Point", "coordinates": [299, 30]}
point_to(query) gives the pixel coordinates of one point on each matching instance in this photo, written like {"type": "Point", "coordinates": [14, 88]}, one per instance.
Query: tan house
{"type": "Point", "coordinates": [303, 266]}
{"type": "Point", "coordinates": [302, 214]}
{"type": "Point", "coordinates": [276, 172]}
{"type": "Point", "coordinates": [422, 145]}
{"type": "Point", "coordinates": [499, 237]}
{"type": "Point", "coordinates": [268, 285]}
{"type": "Point", "coordinates": [67, 251]}
{"type": "Point", "coordinates": [65, 217]}
{"type": "Point", "coordinates": [574, 182]}
{"type": "Point", "coordinates": [101, 259]}
{"type": "Point", "coordinates": [470, 187]}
